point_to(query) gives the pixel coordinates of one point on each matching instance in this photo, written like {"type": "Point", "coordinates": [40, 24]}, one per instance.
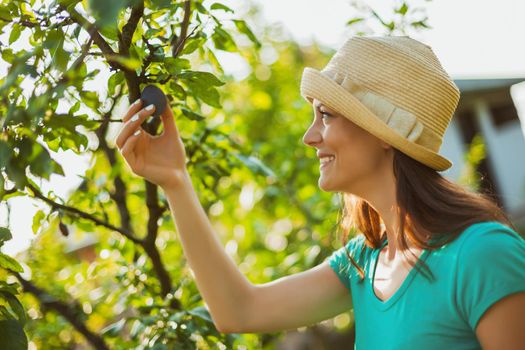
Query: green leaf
{"type": "Point", "coordinates": [192, 44]}
{"type": "Point", "coordinates": [421, 23]}
{"type": "Point", "coordinates": [175, 65]}
{"type": "Point", "coordinates": [191, 115]}
{"type": "Point", "coordinates": [8, 55]}
{"type": "Point", "coordinates": [202, 85]}
{"type": "Point", "coordinates": [255, 165]}
{"type": "Point", "coordinates": [243, 28]}
{"type": "Point", "coordinates": [176, 90]}
{"type": "Point", "coordinates": [9, 263]}
{"type": "Point", "coordinates": [15, 34]}
{"type": "Point", "coordinates": [5, 153]}
{"type": "Point", "coordinates": [5, 235]}
{"type": "Point", "coordinates": [61, 58]}
{"type": "Point", "coordinates": [115, 80]}
{"type": "Point", "coordinates": [223, 41]}
{"type": "Point", "coordinates": [57, 168]}
{"type": "Point", "coordinates": [106, 12]}
{"type": "Point", "coordinates": [12, 335]}
{"type": "Point", "coordinates": [16, 172]}
{"type": "Point", "coordinates": [74, 108]}
{"type": "Point", "coordinates": [110, 32]}
{"type": "Point", "coordinates": [403, 9]}
{"type": "Point", "coordinates": [201, 312]}
{"type": "Point", "coordinates": [201, 78]}
{"type": "Point", "coordinates": [209, 96]}
{"type": "Point", "coordinates": [199, 7]}
{"type": "Point", "coordinates": [128, 62]}
{"type": "Point", "coordinates": [53, 41]}
{"type": "Point", "coordinates": [354, 20]}
{"type": "Point", "coordinates": [41, 165]}
{"type": "Point", "coordinates": [9, 287]}
{"type": "Point", "coordinates": [67, 3]}
{"type": "Point", "coordinates": [90, 99]}
{"type": "Point", "coordinates": [25, 147]}
{"type": "Point", "coordinates": [16, 306]}
{"type": "Point", "coordinates": [5, 14]}
{"type": "Point", "coordinates": [218, 6]}
{"type": "Point", "coordinates": [37, 221]}
{"type": "Point", "coordinates": [159, 5]}
{"type": "Point", "coordinates": [214, 61]}
{"type": "Point", "coordinates": [5, 314]}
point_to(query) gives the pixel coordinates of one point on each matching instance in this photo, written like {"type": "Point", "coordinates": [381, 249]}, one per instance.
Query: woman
{"type": "Point", "coordinates": [381, 107]}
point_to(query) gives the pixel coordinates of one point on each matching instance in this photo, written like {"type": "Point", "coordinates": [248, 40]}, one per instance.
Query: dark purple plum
{"type": "Point", "coordinates": [151, 94]}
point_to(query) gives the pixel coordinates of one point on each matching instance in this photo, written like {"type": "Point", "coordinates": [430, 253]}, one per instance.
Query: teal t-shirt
{"type": "Point", "coordinates": [484, 264]}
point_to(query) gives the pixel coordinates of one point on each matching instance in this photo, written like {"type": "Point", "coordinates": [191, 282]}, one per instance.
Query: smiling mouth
{"type": "Point", "coordinates": [325, 161]}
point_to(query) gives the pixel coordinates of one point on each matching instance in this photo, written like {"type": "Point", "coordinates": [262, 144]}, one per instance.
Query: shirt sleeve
{"type": "Point", "coordinates": [340, 263]}
{"type": "Point", "coordinates": [490, 266]}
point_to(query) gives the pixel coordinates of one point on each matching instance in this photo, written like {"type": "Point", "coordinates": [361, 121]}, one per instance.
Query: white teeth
{"type": "Point", "coordinates": [326, 159]}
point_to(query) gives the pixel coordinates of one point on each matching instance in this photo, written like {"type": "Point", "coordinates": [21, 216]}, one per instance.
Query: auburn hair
{"type": "Point", "coordinates": [432, 211]}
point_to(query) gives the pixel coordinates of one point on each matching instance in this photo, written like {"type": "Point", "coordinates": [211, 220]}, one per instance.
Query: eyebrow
{"type": "Point", "coordinates": [318, 105]}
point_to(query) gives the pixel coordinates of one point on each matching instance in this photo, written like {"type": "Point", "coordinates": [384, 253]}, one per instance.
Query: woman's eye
{"type": "Point", "coordinates": [324, 114]}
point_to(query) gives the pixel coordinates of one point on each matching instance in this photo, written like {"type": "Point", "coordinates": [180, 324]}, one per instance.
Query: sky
{"type": "Point", "coordinates": [472, 39]}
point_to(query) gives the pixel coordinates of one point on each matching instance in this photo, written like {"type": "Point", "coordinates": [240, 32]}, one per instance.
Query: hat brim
{"type": "Point", "coordinates": [314, 84]}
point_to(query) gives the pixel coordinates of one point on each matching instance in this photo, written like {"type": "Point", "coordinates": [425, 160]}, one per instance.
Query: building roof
{"type": "Point", "coordinates": [470, 85]}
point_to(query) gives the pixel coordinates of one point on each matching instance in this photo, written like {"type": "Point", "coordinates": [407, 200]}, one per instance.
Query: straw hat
{"type": "Point", "coordinates": [393, 87]}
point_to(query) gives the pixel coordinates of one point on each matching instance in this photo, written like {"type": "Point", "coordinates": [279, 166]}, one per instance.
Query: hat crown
{"type": "Point", "coordinates": [401, 71]}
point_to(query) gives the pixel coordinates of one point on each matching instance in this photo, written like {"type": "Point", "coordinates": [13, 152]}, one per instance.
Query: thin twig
{"type": "Point", "coordinates": [83, 215]}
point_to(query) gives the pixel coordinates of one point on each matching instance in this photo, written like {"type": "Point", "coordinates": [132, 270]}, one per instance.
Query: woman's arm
{"type": "Point", "coordinates": [235, 304]}
{"type": "Point", "coordinates": [224, 288]}
{"type": "Point", "coordinates": [161, 160]}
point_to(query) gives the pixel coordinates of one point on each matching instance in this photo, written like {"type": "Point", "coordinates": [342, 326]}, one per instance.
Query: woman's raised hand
{"type": "Point", "coordinates": [159, 159]}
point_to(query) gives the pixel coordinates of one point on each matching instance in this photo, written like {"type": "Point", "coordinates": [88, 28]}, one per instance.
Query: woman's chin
{"type": "Point", "coordinates": [324, 184]}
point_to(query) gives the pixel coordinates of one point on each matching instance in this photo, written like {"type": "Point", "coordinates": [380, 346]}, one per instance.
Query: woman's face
{"type": "Point", "coordinates": [361, 159]}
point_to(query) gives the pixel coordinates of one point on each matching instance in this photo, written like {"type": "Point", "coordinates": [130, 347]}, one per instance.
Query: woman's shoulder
{"type": "Point", "coordinates": [484, 240]}
{"type": "Point", "coordinates": [354, 245]}
{"type": "Point", "coordinates": [490, 265]}
{"type": "Point", "coordinates": [489, 231]}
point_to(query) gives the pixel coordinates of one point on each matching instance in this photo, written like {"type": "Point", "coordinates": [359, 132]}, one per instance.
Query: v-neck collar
{"type": "Point", "coordinates": [383, 305]}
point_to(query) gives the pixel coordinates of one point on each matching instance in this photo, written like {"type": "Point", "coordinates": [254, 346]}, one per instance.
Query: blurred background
{"type": "Point", "coordinates": [256, 179]}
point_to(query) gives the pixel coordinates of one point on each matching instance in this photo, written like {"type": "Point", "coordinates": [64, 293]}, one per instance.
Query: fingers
{"type": "Point", "coordinates": [129, 146]}
{"type": "Point", "coordinates": [134, 108]}
{"type": "Point", "coordinates": [169, 122]}
{"type": "Point", "coordinates": [133, 123]}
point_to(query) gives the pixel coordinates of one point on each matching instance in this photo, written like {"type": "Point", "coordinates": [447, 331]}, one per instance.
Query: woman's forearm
{"type": "Point", "coordinates": [223, 287]}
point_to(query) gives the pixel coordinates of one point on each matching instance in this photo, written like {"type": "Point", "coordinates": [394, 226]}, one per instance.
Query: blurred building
{"type": "Point", "coordinates": [486, 108]}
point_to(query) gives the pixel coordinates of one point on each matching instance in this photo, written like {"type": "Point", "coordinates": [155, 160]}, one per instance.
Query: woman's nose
{"type": "Point", "coordinates": [312, 136]}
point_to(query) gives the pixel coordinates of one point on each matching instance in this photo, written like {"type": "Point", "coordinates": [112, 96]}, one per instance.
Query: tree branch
{"type": "Point", "coordinates": [155, 212]}
{"type": "Point", "coordinates": [120, 193]}
{"type": "Point", "coordinates": [129, 28]}
{"type": "Point", "coordinates": [78, 212]}
{"type": "Point", "coordinates": [91, 28]}
{"type": "Point", "coordinates": [179, 45]}
{"type": "Point", "coordinates": [70, 312]}
{"type": "Point", "coordinates": [83, 53]}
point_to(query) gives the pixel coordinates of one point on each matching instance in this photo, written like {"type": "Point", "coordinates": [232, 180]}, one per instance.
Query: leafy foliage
{"type": "Point", "coordinates": [12, 314]}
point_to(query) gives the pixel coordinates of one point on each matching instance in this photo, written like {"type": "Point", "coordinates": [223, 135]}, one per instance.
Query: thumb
{"type": "Point", "coordinates": [168, 121]}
